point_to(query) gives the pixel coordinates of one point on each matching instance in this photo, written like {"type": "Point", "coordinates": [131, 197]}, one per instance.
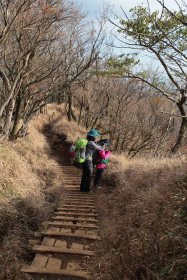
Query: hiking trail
{"type": "Point", "coordinates": [67, 244]}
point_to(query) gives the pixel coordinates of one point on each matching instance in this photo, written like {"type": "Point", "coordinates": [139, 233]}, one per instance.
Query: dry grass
{"type": "Point", "coordinates": [143, 220]}
{"type": "Point", "coordinates": [30, 183]}
{"type": "Point", "coordinates": [62, 126]}
{"type": "Point", "coordinates": [142, 206]}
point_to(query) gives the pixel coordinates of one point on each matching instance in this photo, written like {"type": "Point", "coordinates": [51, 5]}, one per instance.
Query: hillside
{"type": "Point", "coordinates": [30, 184]}
{"type": "Point", "coordinates": [141, 205]}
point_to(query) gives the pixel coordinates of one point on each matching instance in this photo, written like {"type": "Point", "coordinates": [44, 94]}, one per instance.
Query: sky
{"type": "Point", "coordinates": [93, 6]}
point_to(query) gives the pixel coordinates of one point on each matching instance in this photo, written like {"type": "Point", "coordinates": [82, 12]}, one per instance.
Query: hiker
{"type": "Point", "coordinates": [80, 151]}
{"type": "Point", "coordinates": [101, 161]}
{"type": "Point", "coordinates": [88, 164]}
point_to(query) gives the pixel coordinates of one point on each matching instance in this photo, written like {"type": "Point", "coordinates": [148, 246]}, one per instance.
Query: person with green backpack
{"type": "Point", "coordinates": [91, 147]}
{"type": "Point", "coordinates": [80, 150]}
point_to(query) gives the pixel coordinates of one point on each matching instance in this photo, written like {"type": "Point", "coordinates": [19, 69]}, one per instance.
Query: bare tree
{"type": "Point", "coordinates": [163, 34]}
{"type": "Point", "coordinates": [47, 47]}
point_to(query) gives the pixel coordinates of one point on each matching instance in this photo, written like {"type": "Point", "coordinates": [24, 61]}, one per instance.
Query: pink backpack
{"type": "Point", "coordinates": [103, 159]}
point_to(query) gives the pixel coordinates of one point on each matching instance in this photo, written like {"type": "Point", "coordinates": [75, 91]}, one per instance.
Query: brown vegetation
{"type": "Point", "coordinates": [143, 214]}
{"type": "Point", "coordinates": [142, 205]}
{"type": "Point", "coordinates": [50, 53]}
{"type": "Point", "coordinates": [45, 47]}
{"type": "Point", "coordinates": [130, 113]}
{"type": "Point", "coordinates": [30, 183]}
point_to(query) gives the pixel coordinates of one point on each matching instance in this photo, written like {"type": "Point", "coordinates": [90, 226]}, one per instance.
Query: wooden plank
{"type": "Point", "coordinates": [53, 263]}
{"type": "Point", "coordinates": [60, 218]}
{"type": "Point", "coordinates": [79, 199]}
{"type": "Point", "coordinates": [80, 196]}
{"type": "Point", "coordinates": [78, 246]}
{"type": "Point", "coordinates": [76, 206]}
{"type": "Point", "coordinates": [77, 203]}
{"type": "Point", "coordinates": [57, 250]}
{"type": "Point", "coordinates": [72, 184]}
{"type": "Point", "coordinates": [78, 193]}
{"type": "Point", "coordinates": [40, 260]}
{"type": "Point", "coordinates": [73, 177]}
{"type": "Point", "coordinates": [67, 188]}
{"type": "Point", "coordinates": [75, 214]}
{"type": "Point", "coordinates": [61, 243]}
{"type": "Point", "coordinates": [64, 209]}
{"type": "Point", "coordinates": [79, 225]}
{"type": "Point", "coordinates": [53, 271]}
{"type": "Point", "coordinates": [84, 199]}
{"type": "Point", "coordinates": [73, 235]}
{"type": "Point", "coordinates": [54, 229]}
{"type": "Point", "coordinates": [48, 241]}
{"type": "Point", "coordinates": [66, 230]}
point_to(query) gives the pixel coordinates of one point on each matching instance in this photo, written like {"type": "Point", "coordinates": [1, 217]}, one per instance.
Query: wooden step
{"type": "Point", "coordinates": [90, 215]}
{"type": "Point", "coordinates": [72, 179]}
{"type": "Point", "coordinates": [78, 225]}
{"type": "Point", "coordinates": [76, 206]}
{"type": "Point", "coordinates": [71, 188]}
{"type": "Point", "coordinates": [71, 185]}
{"type": "Point", "coordinates": [74, 176]}
{"type": "Point", "coordinates": [53, 271]}
{"type": "Point", "coordinates": [40, 260]}
{"type": "Point", "coordinates": [76, 210]}
{"type": "Point", "coordinates": [80, 195]}
{"type": "Point", "coordinates": [72, 235]}
{"type": "Point", "coordinates": [72, 182]}
{"type": "Point", "coordinates": [60, 218]}
{"type": "Point", "coordinates": [78, 191]}
{"type": "Point", "coordinates": [79, 199]}
{"type": "Point", "coordinates": [56, 250]}
{"type": "Point", "coordinates": [85, 203]}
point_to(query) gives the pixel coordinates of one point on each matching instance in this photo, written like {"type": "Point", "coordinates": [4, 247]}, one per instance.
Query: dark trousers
{"type": "Point", "coordinates": [86, 176]}
{"type": "Point", "coordinates": [98, 176]}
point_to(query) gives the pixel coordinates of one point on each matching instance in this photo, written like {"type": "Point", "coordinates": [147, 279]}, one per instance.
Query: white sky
{"type": "Point", "coordinates": [93, 6]}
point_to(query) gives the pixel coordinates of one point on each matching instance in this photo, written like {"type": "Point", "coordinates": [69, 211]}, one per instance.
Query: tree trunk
{"type": "Point", "coordinates": [81, 110]}
{"type": "Point", "coordinates": [70, 112]}
{"type": "Point", "coordinates": [183, 127]}
{"type": "Point", "coordinates": [181, 136]}
{"type": "Point", "coordinates": [8, 120]}
{"type": "Point", "coordinates": [16, 116]}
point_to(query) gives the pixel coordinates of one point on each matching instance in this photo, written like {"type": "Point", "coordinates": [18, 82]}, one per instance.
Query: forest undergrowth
{"type": "Point", "coordinates": [143, 220]}
{"type": "Point", "coordinates": [30, 183]}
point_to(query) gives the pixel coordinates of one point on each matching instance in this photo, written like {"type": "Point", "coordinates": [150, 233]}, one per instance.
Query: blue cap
{"type": "Point", "coordinates": [93, 132]}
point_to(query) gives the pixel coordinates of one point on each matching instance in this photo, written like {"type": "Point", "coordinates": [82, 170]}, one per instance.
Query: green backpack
{"type": "Point", "coordinates": [80, 149]}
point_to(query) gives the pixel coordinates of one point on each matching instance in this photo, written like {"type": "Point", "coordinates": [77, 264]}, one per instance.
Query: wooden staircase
{"type": "Point", "coordinates": [68, 241]}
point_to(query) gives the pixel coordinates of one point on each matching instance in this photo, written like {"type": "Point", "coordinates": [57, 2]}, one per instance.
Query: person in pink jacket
{"type": "Point", "coordinates": [101, 162]}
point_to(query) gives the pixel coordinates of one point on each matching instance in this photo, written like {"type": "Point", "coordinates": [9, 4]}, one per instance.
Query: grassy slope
{"type": "Point", "coordinates": [143, 220]}
{"type": "Point", "coordinates": [141, 207]}
{"type": "Point", "coordinates": [30, 183]}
